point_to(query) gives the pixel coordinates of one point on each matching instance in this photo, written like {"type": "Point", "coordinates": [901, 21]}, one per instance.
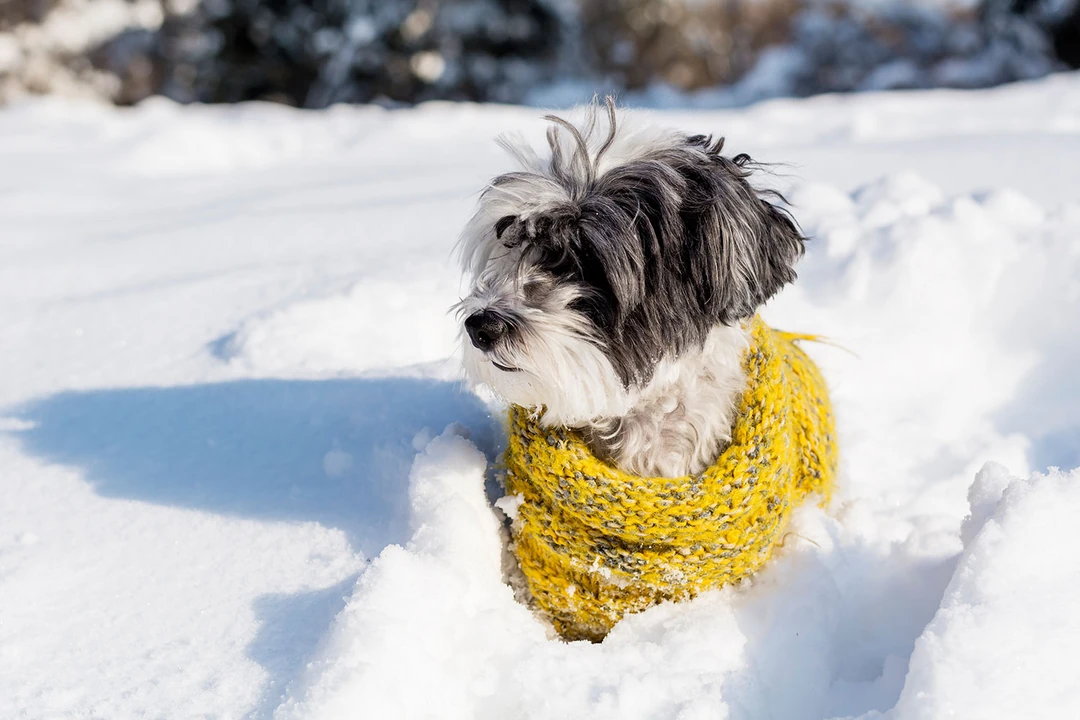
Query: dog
{"type": "Point", "coordinates": [612, 281]}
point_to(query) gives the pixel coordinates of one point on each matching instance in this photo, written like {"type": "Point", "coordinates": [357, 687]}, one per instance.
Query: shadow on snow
{"type": "Point", "coordinates": [337, 452]}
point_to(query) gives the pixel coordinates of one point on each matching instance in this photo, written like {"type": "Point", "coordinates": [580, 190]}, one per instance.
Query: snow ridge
{"type": "Point", "coordinates": [226, 354]}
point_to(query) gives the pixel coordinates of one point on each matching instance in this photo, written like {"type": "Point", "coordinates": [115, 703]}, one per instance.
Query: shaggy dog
{"type": "Point", "coordinates": [612, 282]}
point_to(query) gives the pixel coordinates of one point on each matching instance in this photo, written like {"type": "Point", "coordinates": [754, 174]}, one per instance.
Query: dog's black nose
{"type": "Point", "coordinates": [486, 328]}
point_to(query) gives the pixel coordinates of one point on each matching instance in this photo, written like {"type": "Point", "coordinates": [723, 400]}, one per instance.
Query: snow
{"type": "Point", "coordinates": [241, 478]}
{"type": "Point", "coordinates": [1007, 599]}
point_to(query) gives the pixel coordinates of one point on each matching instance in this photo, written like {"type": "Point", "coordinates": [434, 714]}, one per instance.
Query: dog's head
{"type": "Point", "coordinates": [623, 247]}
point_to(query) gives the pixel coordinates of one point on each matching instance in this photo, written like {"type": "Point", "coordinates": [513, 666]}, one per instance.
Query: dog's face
{"type": "Point", "coordinates": [623, 248]}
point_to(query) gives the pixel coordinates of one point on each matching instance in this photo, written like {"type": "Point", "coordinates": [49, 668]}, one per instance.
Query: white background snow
{"type": "Point", "coordinates": [228, 365]}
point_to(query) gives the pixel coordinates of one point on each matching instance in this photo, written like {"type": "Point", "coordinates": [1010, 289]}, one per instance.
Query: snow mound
{"type": "Point", "coordinates": [223, 358]}
{"type": "Point", "coordinates": [944, 304]}
{"type": "Point", "coordinates": [1010, 597]}
{"type": "Point", "coordinates": [830, 627]}
{"type": "Point", "coordinates": [805, 639]}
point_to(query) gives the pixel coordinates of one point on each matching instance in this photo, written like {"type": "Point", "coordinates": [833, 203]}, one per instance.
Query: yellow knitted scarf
{"type": "Point", "coordinates": [595, 543]}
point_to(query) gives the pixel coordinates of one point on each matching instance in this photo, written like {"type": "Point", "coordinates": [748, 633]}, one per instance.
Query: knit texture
{"type": "Point", "coordinates": [595, 543]}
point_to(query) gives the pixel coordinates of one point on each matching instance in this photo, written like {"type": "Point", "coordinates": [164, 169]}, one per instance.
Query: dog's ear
{"type": "Point", "coordinates": [778, 246]}
{"type": "Point", "coordinates": [751, 244]}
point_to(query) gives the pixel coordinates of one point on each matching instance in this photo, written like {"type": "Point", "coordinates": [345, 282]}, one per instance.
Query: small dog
{"type": "Point", "coordinates": [612, 282]}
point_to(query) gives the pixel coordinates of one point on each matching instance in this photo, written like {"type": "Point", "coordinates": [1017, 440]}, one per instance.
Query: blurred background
{"type": "Point", "coordinates": [547, 52]}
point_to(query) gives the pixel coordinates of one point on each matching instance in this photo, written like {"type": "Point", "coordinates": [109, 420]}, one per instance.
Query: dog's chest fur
{"type": "Point", "coordinates": [680, 422]}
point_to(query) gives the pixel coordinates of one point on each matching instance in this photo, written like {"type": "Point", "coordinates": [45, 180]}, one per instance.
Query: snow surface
{"type": "Point", "coordinates": [228, 366]}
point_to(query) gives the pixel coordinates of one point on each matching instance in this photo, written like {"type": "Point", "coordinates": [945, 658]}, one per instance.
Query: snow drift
{"type": "Point", "coordinates": [228, 368]}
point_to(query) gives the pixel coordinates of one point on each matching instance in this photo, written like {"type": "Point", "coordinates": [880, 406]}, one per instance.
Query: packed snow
{"type": "Point", "coordinates": [241, 476]}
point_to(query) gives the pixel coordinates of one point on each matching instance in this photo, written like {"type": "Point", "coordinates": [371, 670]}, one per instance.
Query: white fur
{"type": "Point", "coordinates": [681, 420]}
{"type": "Point", "coordinates": [560, 368]}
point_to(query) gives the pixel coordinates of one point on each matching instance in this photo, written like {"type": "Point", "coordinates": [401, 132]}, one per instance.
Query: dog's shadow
{"type": "Point", "coordinates": [337, 452]}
